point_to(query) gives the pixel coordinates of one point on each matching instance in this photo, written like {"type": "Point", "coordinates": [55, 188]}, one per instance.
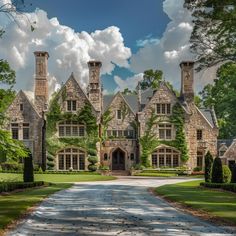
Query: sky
{"type": "Point", "coordinates": [128, 37]}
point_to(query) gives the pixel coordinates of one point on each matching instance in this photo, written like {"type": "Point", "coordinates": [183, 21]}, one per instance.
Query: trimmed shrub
{"type": "Point", "coordinates": [233, 178]}
{"type": "Point", "coordinates": [217, 171]}
{"type": "Point", "coordinates": [208, 166]}
{"type": "Point", "coordinates": [226, 174]}
{"type": "Point", "coordinates": [228, 186]}
{"type": "Point", "coordinates": [93, 159]}
{"type": "Point", "coordinates": [28, 169]}
{"type": "Point", "coordinates": [12, 166]}
{"type": "Point", "coordinates": [10, 186]}
{"type": "Point", "coordinates": [92, 167]}
{"type": "Point", "coordinates": [92, 152]}
{"type": "Point", "coordinates": [197, 169]}
{"type": "Point", "coordinates": [40, 171]}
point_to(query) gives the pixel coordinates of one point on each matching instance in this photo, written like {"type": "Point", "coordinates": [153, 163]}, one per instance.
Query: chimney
{"type": "Point", "coordinates": [187, 80]}
{"type": "Point", "coordinates": [41, 81]}
{"type": "Point", "coordinates": [94, 87]}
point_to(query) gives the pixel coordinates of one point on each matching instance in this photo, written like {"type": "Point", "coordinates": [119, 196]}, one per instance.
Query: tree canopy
{"type": "Point", "coordinates": [222, 95]}
{"type": "Point", "coordinates": [213, 36]}
{"type": "Point", "coordinates": [151, 79]}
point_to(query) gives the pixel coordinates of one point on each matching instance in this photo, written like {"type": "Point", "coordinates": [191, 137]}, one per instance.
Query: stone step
{"type": "Point", "coordinates": [120, 173]}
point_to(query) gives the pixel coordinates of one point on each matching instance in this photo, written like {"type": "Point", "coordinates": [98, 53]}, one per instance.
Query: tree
{"type": "Point", "coordinates": [214, 32]}
{"type": "Point", "coordinates": [151, 79]}
{"type": "Point", "coordinates": [221, 96]}
{"type": "Point", "coordinates": [208, 166]}
{"type": "Point", "coordinates": [127, 91]}
{"type": "Point", "coordinates": [28, 169]}
{"type": "Point", "coordinates": [217, 171]}
{"type": "Point", "coordinates": [226, 174]}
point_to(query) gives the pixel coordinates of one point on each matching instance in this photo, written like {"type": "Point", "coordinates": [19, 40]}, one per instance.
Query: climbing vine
{"type": "Point", "coordinates": [106, 118]}
{"type": "Point", "coordinates": [54, 143]}
{"type": "Point", "coordinates": [149, 141]}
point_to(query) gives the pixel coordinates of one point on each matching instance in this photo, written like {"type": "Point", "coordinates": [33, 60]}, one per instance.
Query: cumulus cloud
{"type": "Point", "coordinates": [69, 50]}
{"type": "Point", "coordinates": [130, 82]}
{"type": "Point", "coordinates": [147, 40]}
{"type": "Point", "coordinates": [172, 48]}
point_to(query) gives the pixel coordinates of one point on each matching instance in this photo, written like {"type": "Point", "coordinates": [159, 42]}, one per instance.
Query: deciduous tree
{"type": "Point", "coordinates": [213, 36]}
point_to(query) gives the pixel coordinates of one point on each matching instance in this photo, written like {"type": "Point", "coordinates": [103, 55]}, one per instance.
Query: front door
{"type": "Point", "coordinates": [118, 160]}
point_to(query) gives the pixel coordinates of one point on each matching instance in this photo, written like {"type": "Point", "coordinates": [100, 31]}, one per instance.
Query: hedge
{"type": "Point", "coordinates": [226, 186]}
{"type": "Point", "coordinates": [10, 186]}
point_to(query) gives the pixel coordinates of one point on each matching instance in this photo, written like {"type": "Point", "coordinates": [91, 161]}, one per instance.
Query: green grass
{"type": "Point", "coordinates": [217, 203]}
{"type": "Point", "coordinates": [155, 174]}
{"type": "Point", "coordinates": [16, 204]}
{"type": "Point", "coordinates": [55, 178]}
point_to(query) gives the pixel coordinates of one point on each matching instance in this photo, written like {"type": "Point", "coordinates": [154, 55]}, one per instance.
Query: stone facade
{"type": "Point", "coordinates": [129, 114]}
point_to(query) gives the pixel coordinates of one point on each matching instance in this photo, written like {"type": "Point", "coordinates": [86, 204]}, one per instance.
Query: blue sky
{"type": "Point", "coordinates": [128, 36]}
{"type": "Point", "coordinates": [139, 22]}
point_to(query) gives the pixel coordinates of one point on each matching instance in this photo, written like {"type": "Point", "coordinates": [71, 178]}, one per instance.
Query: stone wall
{"type": "Point", "coordinates": [28, 115]}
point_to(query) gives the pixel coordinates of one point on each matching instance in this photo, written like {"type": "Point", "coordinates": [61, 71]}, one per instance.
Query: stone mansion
{"type": "Point", "coordinates": [121, 148]}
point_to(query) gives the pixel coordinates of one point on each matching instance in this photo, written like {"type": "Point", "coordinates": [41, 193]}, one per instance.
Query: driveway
{"type": "Point", "coordinates": [119, 207]}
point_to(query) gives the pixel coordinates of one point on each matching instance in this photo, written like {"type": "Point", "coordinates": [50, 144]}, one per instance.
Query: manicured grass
{"type": "Point", "coordinates": [215, 202]}
{"type": "Point", "coordinates": [12, 206]}
{"type": "Point", "coordinates": [155, 174]}
{"type": "Point", "coordinates": [55, 178]}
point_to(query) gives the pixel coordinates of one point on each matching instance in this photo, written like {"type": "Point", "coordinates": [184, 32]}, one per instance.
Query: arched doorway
{"type": "Point", "coordinates": [118, 159]}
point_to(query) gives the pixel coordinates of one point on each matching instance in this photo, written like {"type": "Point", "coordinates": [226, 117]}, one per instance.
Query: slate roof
{"type": "Point", "coordinates": [131, 99]}
{"type": "Point", "coordinates": [208, 114]}
{"type": "Point", "coordinates": [146, 95]}
{"type": "Point", "coordinates": [227, 142]}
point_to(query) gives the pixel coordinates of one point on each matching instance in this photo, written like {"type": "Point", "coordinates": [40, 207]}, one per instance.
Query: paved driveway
{"type": "Point", "coordinates": [120, 207]}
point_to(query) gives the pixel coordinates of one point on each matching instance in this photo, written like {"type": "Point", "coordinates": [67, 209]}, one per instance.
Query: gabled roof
{"type": "Point", "coordinates": [226, 142]}
{"type": "Point", "coordinates": [208, 115]}
{"type": "Point", "coordinates": [131, 100]}
{"type": "Point", "coordinates": [72, 78]}
{"type": "Point", "coordinates": [21, 93]}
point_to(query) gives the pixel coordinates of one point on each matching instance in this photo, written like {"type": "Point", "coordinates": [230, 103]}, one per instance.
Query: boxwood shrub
{"type": "Point", "coordinates": [10, 186]}
{"type": "Point", "coordinates": [226, 186]}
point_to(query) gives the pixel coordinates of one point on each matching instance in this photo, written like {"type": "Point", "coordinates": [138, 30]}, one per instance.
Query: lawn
{"type": "Point", "coordinates": [12, 206]}
{"type": "Point", "coordinates": [217, 203]}
{"type": "Point", "coordinates": [56, 178]}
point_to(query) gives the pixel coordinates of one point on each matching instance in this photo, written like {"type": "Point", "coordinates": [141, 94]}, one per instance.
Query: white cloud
{"type": "Point", "coordinates": [147, 40]}
{"type": "Point", "coordinates": [130, 83]}
{"type": "Point", "coordinates": [172, 48]}
{"type": "Point", "coordinates": [69, 51]}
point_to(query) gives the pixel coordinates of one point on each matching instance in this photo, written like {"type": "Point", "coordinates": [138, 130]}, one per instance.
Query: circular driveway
{"type": "Point", "coordinates": [119, 207]}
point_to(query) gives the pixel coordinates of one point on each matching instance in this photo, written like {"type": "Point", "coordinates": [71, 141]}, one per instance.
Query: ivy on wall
{"type": "Point", "coordinates": [149, 142]}
{"type": "Point", "coordinates": [55, 143]}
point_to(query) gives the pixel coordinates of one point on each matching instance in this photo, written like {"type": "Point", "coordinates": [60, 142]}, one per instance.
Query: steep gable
{"type": "Point", "coordinates": [21, 109]}
{"type": "Point", "coordinates": [231, 151]}
{"type": "Point", "coordinates": [118, 102]}
{"type": "Point", "coordinates": [71, 90]}
{"type": "Point", "coordinates": [162, 95]}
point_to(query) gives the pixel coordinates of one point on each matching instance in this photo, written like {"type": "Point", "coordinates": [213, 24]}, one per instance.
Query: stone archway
{"type": "Point", "coordinates": [118, 159]}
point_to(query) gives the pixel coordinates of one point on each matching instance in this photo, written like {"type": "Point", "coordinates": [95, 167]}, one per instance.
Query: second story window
{"type": "Point", "coordinates": [71, 129]}
{"type": "Point", "coordinates": [15, 130]}
{"type": "Point", "coordinates": [165, 131]}
{"type": "Point", "coordinates": [118, 114]}
{"type": "Point", "coordinates": [71, 105]}
{"type": "Point", "coordinates": [163, 108]}
{"type": "Point", "coordinates": [21, 107]}
{"type": "Point", "coordinates": [25, 131]}
{"type": "Point", "coordinates": [199, 134]}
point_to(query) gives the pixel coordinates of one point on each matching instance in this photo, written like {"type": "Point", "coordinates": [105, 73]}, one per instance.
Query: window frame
{"type": "Point", "coordinates": [199, 134]}
{"type": "Point", "coordinates": [66, 129]}
{"type": "Point", "coordinates": [71, 105]}
{"type": "Point", "coordinates": [163, 109]}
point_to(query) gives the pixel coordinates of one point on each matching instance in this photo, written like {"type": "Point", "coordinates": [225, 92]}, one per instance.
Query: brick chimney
{"type": "Point", "coordinates": [187, 80]}
{"type": "Point", "coordinates": [41, 81]}
{"type": "Point", "coordinates": [94, 87]}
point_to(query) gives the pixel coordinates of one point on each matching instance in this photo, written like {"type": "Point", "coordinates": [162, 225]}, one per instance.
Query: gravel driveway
{"type": "Point", "coordinates": [119, 207]}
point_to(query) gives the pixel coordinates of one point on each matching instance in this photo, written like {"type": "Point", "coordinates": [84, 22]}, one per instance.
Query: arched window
{"type": "Point", "coordinates": [71, 158]}
{"type": "Point", "coordinates": [165, 157]}
{"type": "Point", "coordinates": [71, 129]}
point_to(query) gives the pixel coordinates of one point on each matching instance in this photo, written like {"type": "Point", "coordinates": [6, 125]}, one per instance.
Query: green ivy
{"type": "Point", "coordinates": [149, 142]}
{"type": "Point", "coordinates": [84, 115]}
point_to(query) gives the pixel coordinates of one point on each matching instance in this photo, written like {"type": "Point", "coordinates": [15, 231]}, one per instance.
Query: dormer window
{"type": "Point", "coordinates": [118, 114]}
{"type": "Point", "coordinates": [21, 107]}
{"type": "Point", "coordinates": [163, 108]}
{"type": "Point", "coordinates": [71, 105]}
